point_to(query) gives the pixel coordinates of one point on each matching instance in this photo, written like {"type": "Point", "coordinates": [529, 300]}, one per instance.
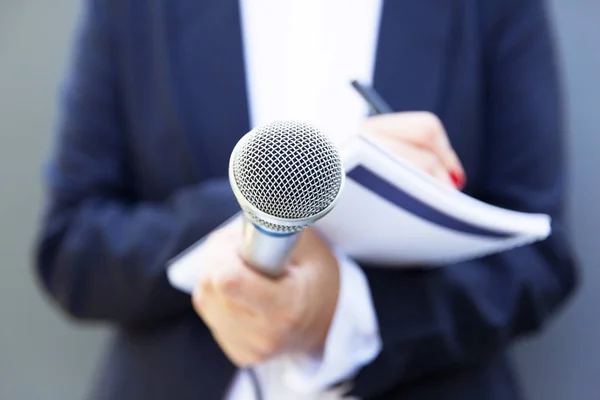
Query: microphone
{"type": "Point", "coordinates": [286, 175]}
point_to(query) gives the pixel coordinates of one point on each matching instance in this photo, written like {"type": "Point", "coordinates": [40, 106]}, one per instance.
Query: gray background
{"type": "Point", "coordinates": [43, 356]}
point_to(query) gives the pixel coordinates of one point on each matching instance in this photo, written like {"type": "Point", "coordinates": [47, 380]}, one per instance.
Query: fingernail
{"type": "Point", "coordinates": [458, 179]}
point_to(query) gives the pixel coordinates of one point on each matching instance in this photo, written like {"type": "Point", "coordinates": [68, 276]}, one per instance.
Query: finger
{"type": "Point", "coordinates": [442, 176]}
{"type": "Point", "coordinates": [219, 314]}
{"type": "Point", "coordinates": [310, 246]}
{"type": "Point", "coordinates": [219, 248]}
{"type": "Point", "coordinates": [222, 316]}
{"type": "Point", "coordinates": [238, 349]}
{"type": "Point", "coordinates": [242, 336]}
{"type": "Point", "coordinates": [423, 129]}
{"type": "Point", "coordinates": [423, 159]}
{"type": "Point", "coordinates": [312, 251]}
{"type": "Point", "coordinates": [239, 283]}
{"type": "Point", "coordinates": [420, 128]}
{"type": "Point", "coordinates": [259, 338]}
{"type": "Point", "coordinates": [233, 310]}
{"type": "Point", "coordinates": [201, 296]}
{"type": "Point", "coordinates": [232, 279]}
{"type": "Point", "coordinates": [217, 283]}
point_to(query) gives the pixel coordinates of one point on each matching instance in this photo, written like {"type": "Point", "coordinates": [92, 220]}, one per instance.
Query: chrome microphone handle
{"type": "Point", "coordinates": [266, 251]}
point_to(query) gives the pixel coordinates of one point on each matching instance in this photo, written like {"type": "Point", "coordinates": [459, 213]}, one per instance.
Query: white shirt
{"type": "Point", "coordinates": [300, 58]}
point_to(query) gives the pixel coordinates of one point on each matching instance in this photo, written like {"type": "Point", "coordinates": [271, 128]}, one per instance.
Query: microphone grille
{"type": "Point", "coordinates": [288, 170]}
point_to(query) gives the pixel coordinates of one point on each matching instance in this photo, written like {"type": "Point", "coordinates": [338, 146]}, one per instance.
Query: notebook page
{"type": "Point", "coordinates": [390, 213]}
{"type": "Point", "coordinates": [427, 189]}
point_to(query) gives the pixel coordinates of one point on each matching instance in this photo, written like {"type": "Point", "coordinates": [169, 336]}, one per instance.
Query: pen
{"type": "Point", "coordinates": [373, 99]}
{"type": "Point", "coordinates": [379, 106]}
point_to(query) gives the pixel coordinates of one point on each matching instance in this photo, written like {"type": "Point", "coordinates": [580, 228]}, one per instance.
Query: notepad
{"type": "Point", "coordinates": [391, 214]}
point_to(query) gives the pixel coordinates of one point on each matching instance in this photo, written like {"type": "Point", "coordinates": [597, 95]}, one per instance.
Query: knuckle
{"type": "Point", "coordinates": [432, 128]}
{"type": "Point", "coordinates": [430, 135]}
{"type": "Point", "coordinates": [204, 286]}
{"type": "Point", "coordinates": [256, 357]}
{"type": "Point", "coordinates": [432, 120]}
{"type": "Point", "coordinates": [199, 296]}
{"type": "Point", "coordinates": [269, 347]}
{"type": "Point", "coordinates": [226, 281]}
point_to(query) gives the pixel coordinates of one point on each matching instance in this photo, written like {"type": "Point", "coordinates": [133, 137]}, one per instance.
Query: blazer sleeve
{"type": "Point", "coordinates": [100, 253]}
{"type": "Point", "coordinates": [436, 320]}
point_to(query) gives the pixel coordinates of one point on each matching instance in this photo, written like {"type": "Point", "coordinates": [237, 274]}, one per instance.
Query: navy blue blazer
{"type": "Point", "coordinates": [155, 101]}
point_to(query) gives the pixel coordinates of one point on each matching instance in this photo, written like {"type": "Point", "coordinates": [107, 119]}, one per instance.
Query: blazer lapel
{"type": "Point", "coordinates": [207, 40]}
{"type": "Point", "coordinates": [409, 67]}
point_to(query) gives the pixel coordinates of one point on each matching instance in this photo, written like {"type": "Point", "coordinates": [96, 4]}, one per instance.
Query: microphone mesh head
{"type": "Point", "coordinates": [288, 170]}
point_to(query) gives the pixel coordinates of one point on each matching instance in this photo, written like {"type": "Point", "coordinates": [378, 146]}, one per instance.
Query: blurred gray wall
{"type": "Point", "coordinates": [42, 356]}
{"type": "Point", "coordinates": [564, 363]}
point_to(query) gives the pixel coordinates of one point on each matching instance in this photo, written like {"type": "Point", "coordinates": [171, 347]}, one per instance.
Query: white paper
{"type": "Point", "coordinates": [371, 228]}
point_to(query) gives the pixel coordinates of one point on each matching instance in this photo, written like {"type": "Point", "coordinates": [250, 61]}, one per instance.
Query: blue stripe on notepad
{"type": "Point", "coordinates": [399, 197]}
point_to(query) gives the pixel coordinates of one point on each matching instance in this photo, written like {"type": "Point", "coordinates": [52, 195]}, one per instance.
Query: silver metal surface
{"type": "Point", "coordinates": [285, 175]}
{"type": "Point", "coordinates": [266, 252]}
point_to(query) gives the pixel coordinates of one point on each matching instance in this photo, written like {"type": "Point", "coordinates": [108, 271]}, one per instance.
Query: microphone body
{"type": "Point", "coordinates": [264, 250]}
{"type": "Point", "coordinates": [286, 175]}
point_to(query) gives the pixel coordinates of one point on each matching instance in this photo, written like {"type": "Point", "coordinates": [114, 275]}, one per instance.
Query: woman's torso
{"type": "Point", "coordinates": [184, 101]}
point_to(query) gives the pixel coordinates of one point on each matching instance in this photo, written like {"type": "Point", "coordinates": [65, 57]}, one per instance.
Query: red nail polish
{"type": "Point", "coordinates": [457, 178]}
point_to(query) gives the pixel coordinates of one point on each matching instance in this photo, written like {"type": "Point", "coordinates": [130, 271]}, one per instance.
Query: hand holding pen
{"type": "Point", "coordinates": [418, 137]}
